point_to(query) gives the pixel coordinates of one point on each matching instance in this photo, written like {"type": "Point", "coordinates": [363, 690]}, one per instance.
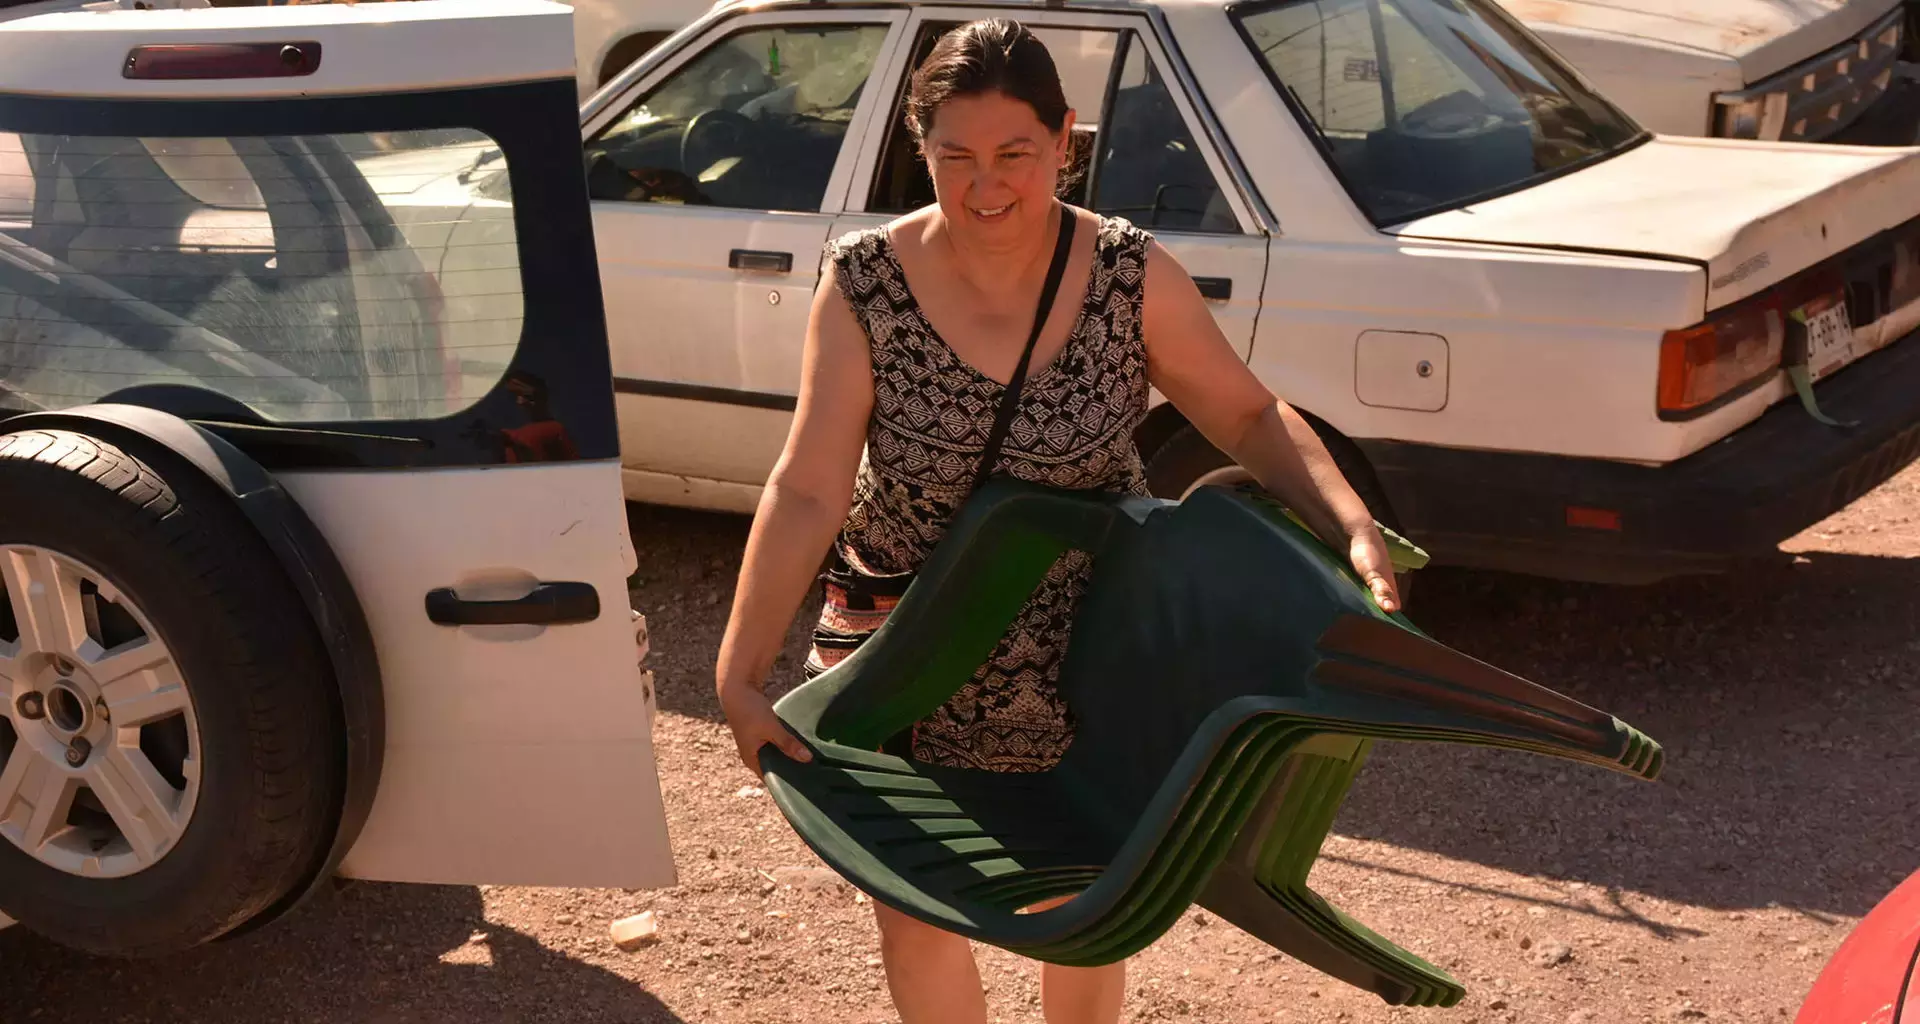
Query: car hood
{"type": "Point", "coordinates": [1763, 36]}
{"type": "Point", "coordinates": [1751, 213]}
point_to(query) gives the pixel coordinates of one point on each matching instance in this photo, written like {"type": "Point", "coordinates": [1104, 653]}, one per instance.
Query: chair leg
{"type": "Point", "coordinates": [1261, 886]}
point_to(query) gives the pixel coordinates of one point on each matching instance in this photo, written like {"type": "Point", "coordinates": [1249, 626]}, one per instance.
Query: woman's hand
{"type": "Point", "coordinates": [1374, 563]}
{"type": "Point", "coordinates": [750, 716]}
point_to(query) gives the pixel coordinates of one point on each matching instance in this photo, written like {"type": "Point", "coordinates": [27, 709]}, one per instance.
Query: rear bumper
{"type": "Point", "coordinates": [1734, 500]}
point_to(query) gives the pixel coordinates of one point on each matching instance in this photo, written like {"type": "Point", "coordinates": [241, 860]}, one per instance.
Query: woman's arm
{"type": "Point", "coordinates": [803, 505]}
{"type": "Point", "coordinates": [1191, 362]}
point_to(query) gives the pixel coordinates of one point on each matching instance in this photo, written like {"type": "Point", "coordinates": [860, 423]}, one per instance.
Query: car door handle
{"type": "Point", "coordinates": [760, 259]}
{"type": "Point", "coordinates": [1215, 287]}
{"type": "Point", "coordinates": [550, 604]}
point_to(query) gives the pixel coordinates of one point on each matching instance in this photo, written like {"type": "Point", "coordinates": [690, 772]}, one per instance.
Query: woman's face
{"type": "Point", "coordinates": [994, 165]}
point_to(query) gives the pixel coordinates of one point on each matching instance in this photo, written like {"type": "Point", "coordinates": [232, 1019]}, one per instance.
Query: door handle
{"type": "Point", "coordinates": [550, 604]}
{"type": "Point", "coordinates": [1215, 287]}
{"type": "Point", "coordinates": [760, 259]}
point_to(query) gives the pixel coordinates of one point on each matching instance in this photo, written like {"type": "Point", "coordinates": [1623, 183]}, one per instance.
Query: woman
{"type": "Point", "coordinates": [916, 334]}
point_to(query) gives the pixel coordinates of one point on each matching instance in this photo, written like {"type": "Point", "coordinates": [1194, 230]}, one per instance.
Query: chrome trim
{"type": "Point", "coordinates": [1829, 91]}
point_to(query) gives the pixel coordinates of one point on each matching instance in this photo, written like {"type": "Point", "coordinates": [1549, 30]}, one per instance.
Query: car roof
{"type": "Point", "coordinates": [412, 46]}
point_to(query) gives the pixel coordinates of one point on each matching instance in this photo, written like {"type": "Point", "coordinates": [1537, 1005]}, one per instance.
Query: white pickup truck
{"type": "Point", "coordinates": [1539, 337]}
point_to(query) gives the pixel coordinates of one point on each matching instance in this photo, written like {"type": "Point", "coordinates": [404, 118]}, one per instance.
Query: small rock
{"type": "Point", "coordinates": [1313, 993]}
{"type": "Point", "coordinates": [750, 792]}
{"type": "Point", "coordinates": [631, 933]}
{"type": "Point", "coordinates": [1583, 1017]}
{"type": "Point", "coordinates": [1497, 1003]}
{"type": "Point", "coordinates": [1536, 911]}
{"type": "Point", "coordinates": [1200, 918]}
{"type": "Point", "coordinates": [873, 961]}
{"type": "Point", "coordinates": [564, 919]}
{"type": "Point", "coordinates": [1526, 942]}
{"type": "Point", "coordinates": [1552, 953]}
{"type": "Point", "coordinates": [1685, 1011]}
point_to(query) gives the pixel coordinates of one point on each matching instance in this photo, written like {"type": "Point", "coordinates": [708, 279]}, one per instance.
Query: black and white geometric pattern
{"type": "Point", "coordinates": [931, 415]}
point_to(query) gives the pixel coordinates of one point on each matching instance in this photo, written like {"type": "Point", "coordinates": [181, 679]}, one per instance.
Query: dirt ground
{"type": "Point", "coordinates": [1786, 697]}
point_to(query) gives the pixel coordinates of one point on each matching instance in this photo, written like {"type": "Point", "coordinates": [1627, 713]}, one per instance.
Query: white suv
{"type": "Point", "coordinates": [313, 556]}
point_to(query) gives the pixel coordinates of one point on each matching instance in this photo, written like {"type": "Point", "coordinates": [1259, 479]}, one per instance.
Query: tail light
{"type": "Point", "coordinates": [1735, 349]}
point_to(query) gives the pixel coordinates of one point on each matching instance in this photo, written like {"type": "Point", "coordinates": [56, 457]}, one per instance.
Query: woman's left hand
{"type": "Point", "coordinates": [1374, 563]}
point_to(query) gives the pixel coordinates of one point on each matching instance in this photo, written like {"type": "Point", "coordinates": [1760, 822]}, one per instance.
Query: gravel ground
{"type": "Point", "coordinates": [1785, 695]}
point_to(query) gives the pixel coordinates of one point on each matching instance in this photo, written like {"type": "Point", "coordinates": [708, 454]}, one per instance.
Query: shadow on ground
{"type": "Point", "coordinates": [1786, 697]}
{"type": "Point", "coordinates": [369, 954]}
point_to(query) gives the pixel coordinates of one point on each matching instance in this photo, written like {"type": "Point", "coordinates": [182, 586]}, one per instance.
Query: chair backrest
{"type": "Point", "coordinates": [1221, 597]}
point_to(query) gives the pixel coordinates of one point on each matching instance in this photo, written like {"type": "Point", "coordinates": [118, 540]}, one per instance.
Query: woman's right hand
{"type": "Point", "coordinates": [750, 716]}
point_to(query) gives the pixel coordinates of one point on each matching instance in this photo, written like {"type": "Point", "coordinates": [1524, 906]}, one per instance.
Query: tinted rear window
{"type": "Point", "coordinates": [311, 277]}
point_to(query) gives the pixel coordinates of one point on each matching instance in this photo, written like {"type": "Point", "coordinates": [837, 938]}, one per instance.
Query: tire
{"type": "Point", "coordinates": [1187, 460]}
{"type": "Point", "coordinates": [261, 719]}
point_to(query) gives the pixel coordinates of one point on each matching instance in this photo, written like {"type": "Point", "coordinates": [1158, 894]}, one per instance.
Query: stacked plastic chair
{"type": "Point", "coordinates": [1228, 675]}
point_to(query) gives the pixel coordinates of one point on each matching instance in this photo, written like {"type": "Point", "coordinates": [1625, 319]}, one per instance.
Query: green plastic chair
{"type": "Point", "coordinates": [1228, 675]}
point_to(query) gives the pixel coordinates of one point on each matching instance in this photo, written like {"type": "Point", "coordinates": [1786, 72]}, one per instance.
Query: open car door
{"type": "Point", "coordinates": [340, 258]}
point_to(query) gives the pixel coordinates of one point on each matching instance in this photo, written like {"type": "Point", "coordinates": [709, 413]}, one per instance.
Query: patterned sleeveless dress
{"type": "Point", "coordinates": [932, 412]}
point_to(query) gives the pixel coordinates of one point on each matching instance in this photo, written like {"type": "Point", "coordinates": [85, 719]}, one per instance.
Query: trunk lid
{"type": "Point", "coordinates": [1751, 213]}
{"type": "Point", "coordinates": [1764, 36]}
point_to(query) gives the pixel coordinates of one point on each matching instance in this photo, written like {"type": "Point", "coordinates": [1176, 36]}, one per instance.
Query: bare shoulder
{"type": "Point", "coordinates": [910, 231]}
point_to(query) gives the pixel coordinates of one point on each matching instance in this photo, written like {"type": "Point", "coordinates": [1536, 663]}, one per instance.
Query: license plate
{"type": "Point", "coordinates": [1829, 333]}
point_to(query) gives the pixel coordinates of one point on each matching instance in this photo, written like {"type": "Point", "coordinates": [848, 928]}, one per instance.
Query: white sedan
{"type": "Point", "coordinates": [1538, 337]}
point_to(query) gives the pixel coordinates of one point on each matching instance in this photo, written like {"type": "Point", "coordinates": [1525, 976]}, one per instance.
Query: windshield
{"type": "Point", "coordinates": [1424, 105]}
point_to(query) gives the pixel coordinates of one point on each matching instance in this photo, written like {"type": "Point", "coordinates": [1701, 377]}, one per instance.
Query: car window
{"type": "Point", "coordinates": [1133, 154]}
{"type": "Point", "coordinates": [1423, 105]}
{"type": "Point", "coordinates": [753, 122]}
{"type": "Point", "coordinates": [309, 277]}
{"type": "Point", "coordinates": [1150, 169]}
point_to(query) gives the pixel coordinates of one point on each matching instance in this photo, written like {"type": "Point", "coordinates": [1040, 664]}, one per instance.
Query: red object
{"type": "Point", "coordinates": [1593, 518]}
{"type": "Point", "coordinates": [1871, 978]}
{"type": "Point", "coordinates": [539, 441]}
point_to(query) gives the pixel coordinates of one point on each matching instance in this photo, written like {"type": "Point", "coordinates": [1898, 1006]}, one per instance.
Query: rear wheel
{"type": "Point", "coordinates": [1187, 461]}
{"type": "Point", "coordinates": [170, 749]}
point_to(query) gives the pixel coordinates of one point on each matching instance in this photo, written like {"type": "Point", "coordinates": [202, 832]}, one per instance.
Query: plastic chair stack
{"type": "Point", "coordinates": [1228, 676]}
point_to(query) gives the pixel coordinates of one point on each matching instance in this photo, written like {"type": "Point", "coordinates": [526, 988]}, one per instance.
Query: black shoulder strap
{"type": "Point", "coordinates": [1010, 398]}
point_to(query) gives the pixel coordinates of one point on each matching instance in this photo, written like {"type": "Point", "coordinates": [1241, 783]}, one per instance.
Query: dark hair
{"type": "Point", "coordinates": [996, 55]}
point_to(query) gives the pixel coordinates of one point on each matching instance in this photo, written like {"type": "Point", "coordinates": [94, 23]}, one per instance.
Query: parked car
{"type": "Point", "coordinates": [313, 556]}
{"type": "Point", "coordinates": [1824, 70]}
{"type": "Point", "coordinates": [1874, 977]}
{"type": "Point", "coordinates": [1537, 336]}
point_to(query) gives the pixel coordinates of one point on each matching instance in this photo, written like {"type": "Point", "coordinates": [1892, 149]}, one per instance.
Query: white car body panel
{"type": "Point", "coordinates": [1760, 36]}
{"type": "Point", "coordinates": [392, 47]}
{"type": "Point", "coordinates": [515, 754]}
{"type": "Point", "coordinates": [1751, 213]}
